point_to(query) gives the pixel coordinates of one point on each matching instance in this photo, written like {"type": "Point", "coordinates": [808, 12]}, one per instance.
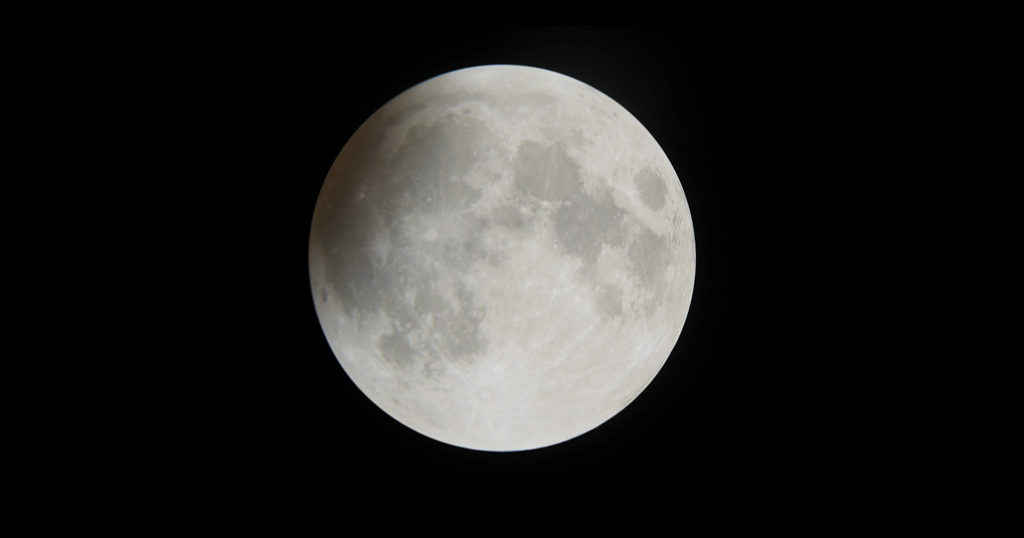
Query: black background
{"type": "Point", "coordinates": [250, 120]}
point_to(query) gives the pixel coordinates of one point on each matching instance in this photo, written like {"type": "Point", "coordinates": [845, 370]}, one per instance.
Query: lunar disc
{"type": "Point", "coordinates": [501, 258]}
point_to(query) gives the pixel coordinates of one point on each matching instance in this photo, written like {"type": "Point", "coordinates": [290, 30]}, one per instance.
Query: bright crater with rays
{"type": "Point", "coordinates": [502, 258]}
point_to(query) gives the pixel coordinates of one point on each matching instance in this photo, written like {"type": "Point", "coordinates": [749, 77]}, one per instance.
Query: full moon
{"type": "Point", "coordinates": [502, 258]}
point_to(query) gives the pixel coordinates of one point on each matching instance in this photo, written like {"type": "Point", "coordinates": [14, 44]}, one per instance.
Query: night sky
{"type": "Point", "coordinates": [743, 403]}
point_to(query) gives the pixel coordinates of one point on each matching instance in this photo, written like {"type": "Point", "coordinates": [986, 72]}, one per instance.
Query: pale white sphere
{"type": "Point", "coordinates": [502, 258]}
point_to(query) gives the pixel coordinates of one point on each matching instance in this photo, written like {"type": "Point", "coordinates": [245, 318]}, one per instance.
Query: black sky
{"type": "Point", "coordinates": [254, 123]}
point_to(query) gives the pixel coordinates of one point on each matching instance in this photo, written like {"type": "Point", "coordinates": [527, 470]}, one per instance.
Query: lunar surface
{"type": "Point", "coordinates": [502, 258]}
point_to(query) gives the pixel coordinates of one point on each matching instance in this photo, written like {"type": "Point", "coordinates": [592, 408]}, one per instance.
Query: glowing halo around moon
{"type": "Point", "coordinates": [502, 258]}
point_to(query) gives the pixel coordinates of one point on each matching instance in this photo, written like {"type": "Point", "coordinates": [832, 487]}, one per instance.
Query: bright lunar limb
{"type": "Point", "coordinates": [502, 258]}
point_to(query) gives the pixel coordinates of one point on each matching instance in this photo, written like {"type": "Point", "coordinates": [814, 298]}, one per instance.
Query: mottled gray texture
{"type": "Point", "coordinates": [584, 224]}
{"type": "Point", "coordinates": [652, 189]}
{"type": "Point", "coordinates": [501, 258]}
{"type": "Point", "coordinates": [545, 171]}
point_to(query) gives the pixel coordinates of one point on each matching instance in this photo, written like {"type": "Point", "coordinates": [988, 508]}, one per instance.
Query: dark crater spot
{"type": "Point", "coordinates": [651, 188]}
{"type": "Point", "coordinates": [509, 217]}
{"type": "Point", "coordinates": [545, 172]}
{"type": "Point", "coordinates": [428, 302]}
{"type": "Point", "coordinates": [609, 301]}
{"type": "Point", "coordinates": [649, 255]}
{"type": "Point", "coordinates": [584, 224]}
{"type": "Point", "coordinates": [396, 348]}
{"type": "Point", "coordinates": [430, 166]}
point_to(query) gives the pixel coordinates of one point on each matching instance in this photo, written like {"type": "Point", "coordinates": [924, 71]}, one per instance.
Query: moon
{"type": "Point", "coordinates": [502, 258]}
